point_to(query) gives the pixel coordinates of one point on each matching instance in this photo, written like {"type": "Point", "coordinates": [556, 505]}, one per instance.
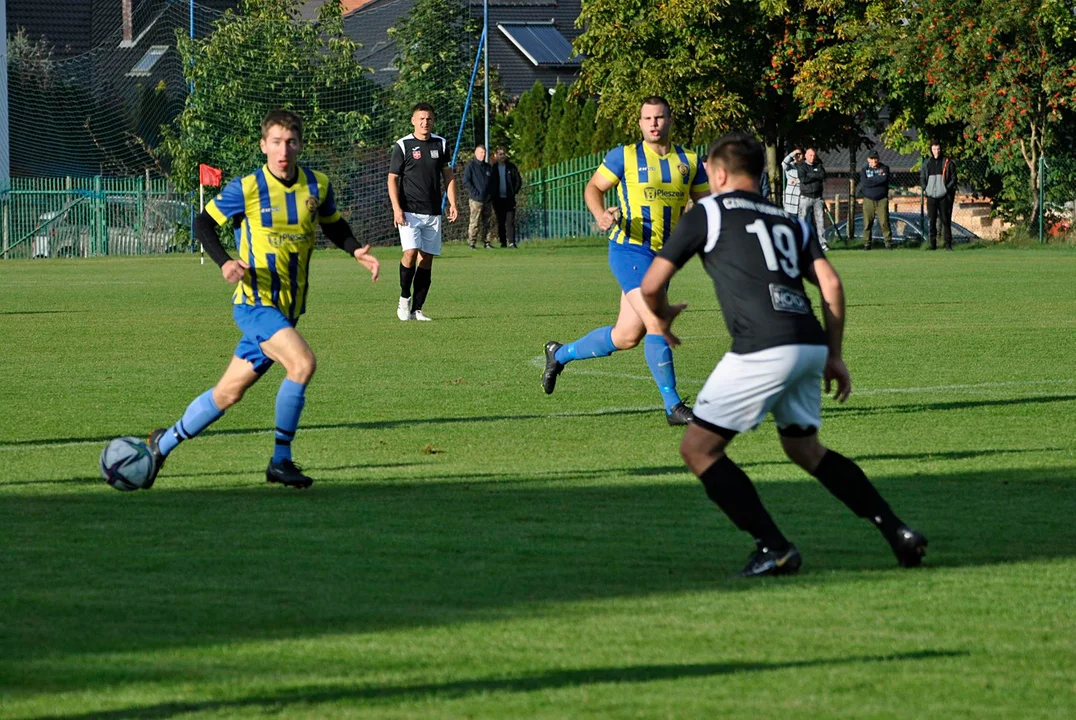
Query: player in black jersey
{"type": "Point", "coordinates": [419, 167]}
{"type": "Point", "coordinates": [758, 256]}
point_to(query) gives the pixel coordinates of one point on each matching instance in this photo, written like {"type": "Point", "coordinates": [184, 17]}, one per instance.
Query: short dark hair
{"type": "Point", "coordinates": [499, 148]}
{"type": "Point", "coordinates": [810, 147]}
{"type": "Point", "coordinates": [656, 100]}
{"type": "Point", "coordinates": [422, 106]}
{"type": "Point", "coordinates": [283, 118]}
{"type": "Point", "coordinates": [739, 154]}
{"type": "Point", "coordinates": [873, 155]}
{"type": "Point", "coordinates": [935, 141]}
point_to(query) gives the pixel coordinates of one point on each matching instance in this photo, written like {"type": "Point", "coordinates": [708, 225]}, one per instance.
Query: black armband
{"type": "Point", "coordinates": [205, 229]}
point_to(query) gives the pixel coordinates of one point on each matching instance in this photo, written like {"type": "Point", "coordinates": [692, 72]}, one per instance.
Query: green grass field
{"type": "Point", "coordinates": [473, 548]}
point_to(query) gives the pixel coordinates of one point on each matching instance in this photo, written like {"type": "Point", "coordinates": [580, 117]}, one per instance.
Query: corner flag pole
{"type": "Point", "coordinates": [201, 207]}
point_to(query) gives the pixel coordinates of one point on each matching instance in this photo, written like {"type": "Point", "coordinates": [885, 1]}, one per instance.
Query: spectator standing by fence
{"type": "Point", "coordinates": [791, 198]}
{"type": "Point", "coordinates": [874, 184]}
{"type": "Point", "coordinates": [811, 175]}
{"type": "Point", "coordinates": [476, 178]}
{"type": "Point", "coordinates": [938, 179]}
{"type": "Point", "coordinates": [505, 184]}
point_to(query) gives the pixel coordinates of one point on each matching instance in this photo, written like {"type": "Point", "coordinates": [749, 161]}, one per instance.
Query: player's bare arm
{"type": "Point", "coordinates": [594, 194]}
{"type": "Point", "coordinates": [368, 261]}
{"type": "Point", "coordinates": [450, 187]}
{"type": "Point", "coordinates": [394, 197]}
{"type": "Point", "coordinates": [833, 310]}
{"type": "Point", "coordinates": [654, 294]}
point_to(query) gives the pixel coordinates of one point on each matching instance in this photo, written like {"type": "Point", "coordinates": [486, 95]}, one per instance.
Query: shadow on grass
{"type": "Point", "coordinates": [101, 571]}
{"type": "Point", "coordinates": [567, 415]}
{"type": "Point", "coordinates": [557, 680]}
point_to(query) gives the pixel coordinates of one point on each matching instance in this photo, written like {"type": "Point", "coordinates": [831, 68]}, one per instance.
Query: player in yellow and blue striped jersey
{"type": "Point", "coordinates": [275, 212]}
{"type": "Point", "coordinates": [654, 181]}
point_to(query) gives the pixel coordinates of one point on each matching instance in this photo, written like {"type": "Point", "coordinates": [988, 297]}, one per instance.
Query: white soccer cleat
{"type": "Point", "coordinates": [403, 310]}
{"type": "Point", "coordinates": [419, 315]}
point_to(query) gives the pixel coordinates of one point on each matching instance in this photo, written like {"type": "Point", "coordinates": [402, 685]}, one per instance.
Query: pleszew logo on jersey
{"type": "Point", "coordinates": [786, 299]}
{"type": "Point", "coordinates": [416, 153]}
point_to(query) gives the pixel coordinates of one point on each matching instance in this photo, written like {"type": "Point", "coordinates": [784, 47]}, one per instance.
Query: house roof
{"type": "Point", "coordinates": [369, 24]}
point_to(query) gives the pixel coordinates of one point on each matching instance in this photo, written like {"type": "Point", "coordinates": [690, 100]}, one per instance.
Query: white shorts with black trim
{"type": "Point", "coordinates": [784, 380]}
{"type": "Point", "coordinates": [422, 233]}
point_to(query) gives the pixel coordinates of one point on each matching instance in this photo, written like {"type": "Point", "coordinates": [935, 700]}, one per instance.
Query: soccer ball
{"type": "Point", "coordinates": [127, 464]}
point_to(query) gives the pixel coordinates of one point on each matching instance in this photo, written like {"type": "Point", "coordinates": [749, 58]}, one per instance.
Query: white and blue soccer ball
{"type": "Point", "coordinates": [127, 464]}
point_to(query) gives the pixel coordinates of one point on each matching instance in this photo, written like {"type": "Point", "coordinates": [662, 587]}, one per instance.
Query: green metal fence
{"type": "Point", "coordinates": [87, 217]}
{"type": "Point", "coordinates": [552, 204]}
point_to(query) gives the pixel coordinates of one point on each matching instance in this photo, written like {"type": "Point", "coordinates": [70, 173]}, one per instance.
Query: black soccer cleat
{"type": "Point", "coordinates": [552, 367]}
{"type": "Point", "coordinates": [680, 415]}
{"type": "Point", "coordinates": [154, 443]}
{"type": "Point", "coordinates": [909, 546]}
{"type": "Point", "coordinates": [764, 561]}
{"type": "Point", "coordinates": [288, 474]}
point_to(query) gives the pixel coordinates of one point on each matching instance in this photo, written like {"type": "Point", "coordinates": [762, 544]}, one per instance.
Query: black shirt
{"type": "Point", "coordinates": [419, 164]}
{"type": "Point", "coordinates": [812, 179]}
{"type": "Point", "coordinates": [756, 254]}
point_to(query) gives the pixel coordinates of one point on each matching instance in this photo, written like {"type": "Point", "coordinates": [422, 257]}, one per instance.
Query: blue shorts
{"type": "Point", "coordinates": [258, 324]}
{"type": "Point", "coordinates": [629, 263]}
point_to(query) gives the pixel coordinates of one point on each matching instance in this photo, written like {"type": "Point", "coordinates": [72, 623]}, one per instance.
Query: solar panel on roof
{"type": "Point", "coordinates": [542, 43]}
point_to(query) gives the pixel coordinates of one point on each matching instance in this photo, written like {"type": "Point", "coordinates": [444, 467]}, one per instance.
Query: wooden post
{"type": "Point", "coordinates": [852, 194]}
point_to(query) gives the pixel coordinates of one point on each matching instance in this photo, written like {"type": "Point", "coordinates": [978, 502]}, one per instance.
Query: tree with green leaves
{"type": "Point", "coordinates": [300, 65]}
{"type": "Point", "coordinates": [558, 101]}
{"type": "Point", "coordinates": [588, 126]}
{"type": "Point", "coordinates": [1006, 72]}
{"type": "Point", "coordinates": [528, 127]}
{"type": "Point", "coordinates": [568, 132]}
{"type": "Point", "coordinates": [722, 66]}
{"type": "Point", "coordinates": [436, 42]}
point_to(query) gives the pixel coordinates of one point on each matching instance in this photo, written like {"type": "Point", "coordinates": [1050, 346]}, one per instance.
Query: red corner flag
{"type": "Point", "coordinates": [208, 175]}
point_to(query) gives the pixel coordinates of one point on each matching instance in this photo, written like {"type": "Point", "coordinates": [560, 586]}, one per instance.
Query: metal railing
{"type": "Point", "coordinates": [87, 217]}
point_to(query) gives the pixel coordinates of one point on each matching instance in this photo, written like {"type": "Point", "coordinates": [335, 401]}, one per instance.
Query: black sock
{"type": "Point", "coordinates": [731, 490]}
{"type": "Point", "coordinates": [850, 485]}
{"type": "Point", "coordinates": [422, 287]}
{"type": "Point", "coordinates": [407, 274]}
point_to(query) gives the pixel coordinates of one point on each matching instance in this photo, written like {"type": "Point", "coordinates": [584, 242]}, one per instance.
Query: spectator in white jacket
{"type": "Point", "coordinates": [791, 198]}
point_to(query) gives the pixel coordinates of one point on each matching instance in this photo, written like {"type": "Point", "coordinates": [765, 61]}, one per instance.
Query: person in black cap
{"type": "Point", "coordinates": [874, 184]}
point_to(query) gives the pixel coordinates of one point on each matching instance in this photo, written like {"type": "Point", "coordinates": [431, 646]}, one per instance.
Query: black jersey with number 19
{"type": "Point", "coordinates": [757, 255]}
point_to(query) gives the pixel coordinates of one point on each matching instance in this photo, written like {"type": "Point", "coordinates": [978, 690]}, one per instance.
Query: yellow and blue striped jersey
{"type": "Point", "coordinates": [275, 231]}
{"type": "Point", "coordinates": [653, 191]}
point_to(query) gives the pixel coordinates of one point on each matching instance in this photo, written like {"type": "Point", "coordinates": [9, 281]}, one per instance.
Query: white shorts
{"type": "Point", "coordinates": [422, 233]}
{"type": "Point", "coordinates": [785, 380]}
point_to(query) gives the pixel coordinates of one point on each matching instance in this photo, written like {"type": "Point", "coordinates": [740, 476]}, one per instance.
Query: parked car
{"type": "Point", "coordinates": [56, 236]}
{"type": "Point", "coordinates": [128, 228]}
{"type": "Point", "coordinates": [905, 227]}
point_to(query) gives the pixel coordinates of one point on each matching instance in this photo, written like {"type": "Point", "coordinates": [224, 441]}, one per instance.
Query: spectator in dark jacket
{"type": "Point", "coordinates": [811, 175]}
{"type": "Point", "coordinates": [505, 184]}
{"type": "Point", "coordinates": [874, 184]}
{"type": "Point", "coordinates": [938, 179]}
{"type": "Point", "coordinates": [476, 178]}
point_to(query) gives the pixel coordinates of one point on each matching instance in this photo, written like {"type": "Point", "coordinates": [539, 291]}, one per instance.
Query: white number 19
{"type": "Point", "coordinates": [784, 241]}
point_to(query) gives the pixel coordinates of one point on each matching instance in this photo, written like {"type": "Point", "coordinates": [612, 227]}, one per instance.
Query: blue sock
{"type": "Point", "coordinates": [659, 358]}
{"type": "Point", "coordinates": [200, 414]}
{"type": "Point", "coordinates": [289, 406]}
{"type": "Point", "coordinates": [596, 343]}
